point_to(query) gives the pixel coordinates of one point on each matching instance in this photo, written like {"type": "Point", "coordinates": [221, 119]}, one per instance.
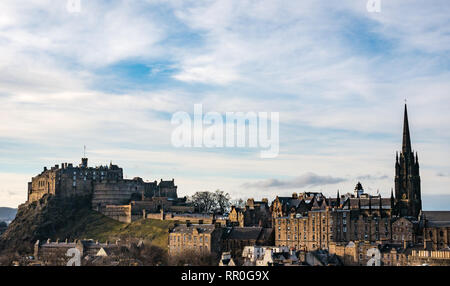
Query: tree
{"type": "Point", "coordinates": [209, 202]}
{"type": "Point", "coordinates": [193, 258]}
{"type": "Point", "coordinates": [239, 203]}
{"type": "Point", "coordinates": [222, 199]}
{"type": "Point", "coordinates": [204, 202]}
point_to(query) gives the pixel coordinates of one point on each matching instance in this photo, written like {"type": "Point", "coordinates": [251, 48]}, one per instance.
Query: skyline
{"type": "Point", "coordinates": [111, 76]}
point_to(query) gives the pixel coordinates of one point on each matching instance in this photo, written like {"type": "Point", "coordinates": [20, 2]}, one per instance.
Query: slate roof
{"type": "Point", "coordinates": [201, 228]}
{"type": "Point", "coordinates": [437, 218]}
{"type": "Point", "coordinates": [245, 233]}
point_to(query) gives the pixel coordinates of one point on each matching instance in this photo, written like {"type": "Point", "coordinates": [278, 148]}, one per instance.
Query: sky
{"type": "Point", "coordinates": [111, 76]}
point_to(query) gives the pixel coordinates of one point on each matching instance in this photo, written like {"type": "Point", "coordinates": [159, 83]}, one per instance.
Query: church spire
{"type": "Point", "coordinates": [406, 147]}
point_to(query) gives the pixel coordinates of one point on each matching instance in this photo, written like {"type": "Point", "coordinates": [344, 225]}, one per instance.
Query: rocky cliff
{"type": "Point", "coordinates": [72, 218]}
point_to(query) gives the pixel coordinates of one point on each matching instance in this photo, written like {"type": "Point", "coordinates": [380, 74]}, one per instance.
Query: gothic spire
{"type": "Point", "coordinates": [406, 147]}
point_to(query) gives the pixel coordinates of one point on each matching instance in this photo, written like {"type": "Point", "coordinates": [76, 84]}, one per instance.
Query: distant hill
{"type": "Point", "coordinates": [57, 218]}
{"type": "Point", "coordinates": [7, 214]}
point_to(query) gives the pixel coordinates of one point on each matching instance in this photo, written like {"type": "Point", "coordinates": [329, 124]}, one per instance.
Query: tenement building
{"type": "Point", "coordinates": [195, 238]}
{"type": "Point", "coordinates": [255, 213]}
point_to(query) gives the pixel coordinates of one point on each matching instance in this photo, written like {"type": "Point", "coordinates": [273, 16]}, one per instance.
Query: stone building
{"type": "Point", "coordinates": [234, 239]}
{"type": "Point", "coordinates": [105, 183]}
{"type": "Point", "coordinates": [201, 238]}
{"type": "Point", "coordinates": [122, 199]}
{"type": "Point", "coordinates": [269, 256]}
{"type": "Point", "coordinates": [313, 221]}
{"type": "Point", "coordinates": [69, 180]}
{"type": "Point", "coordinates": [189, 217]}
{"type": "Point", "coordinates": [255, 213]}
{"type": "Point", "coordinates": [404, 230]}
{"type": "Point", "coordinates": [55, 252]}
{"type": "Point", "coordinates": [436, 230]}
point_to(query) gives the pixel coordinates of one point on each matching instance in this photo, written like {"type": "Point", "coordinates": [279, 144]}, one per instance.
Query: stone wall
{"type": "Point", "coordinates": [116, 193]}
{"type": "Point", "coordinates": [120, 213]}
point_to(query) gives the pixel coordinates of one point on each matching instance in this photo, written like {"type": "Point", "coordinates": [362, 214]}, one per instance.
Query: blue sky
{"type": "Point", "coordinates": [111, 76]}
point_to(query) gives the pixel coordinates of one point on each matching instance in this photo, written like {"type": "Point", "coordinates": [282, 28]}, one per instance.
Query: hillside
{"type": "Point", "coordinates": [7, 214]}
{"type": "Point", "coordinates": [57, 218]}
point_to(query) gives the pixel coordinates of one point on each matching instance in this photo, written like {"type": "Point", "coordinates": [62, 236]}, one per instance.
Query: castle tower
{"type": "Point", "coordinates": [408, 201]}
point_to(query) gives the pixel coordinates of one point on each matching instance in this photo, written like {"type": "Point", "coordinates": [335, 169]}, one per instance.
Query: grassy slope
{"type": "Point", "coordinates": [93, 225]}
{"type": "Point", "coordinates": [73, 219]}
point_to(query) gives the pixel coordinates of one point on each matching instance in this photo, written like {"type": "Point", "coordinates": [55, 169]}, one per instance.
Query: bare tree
{"type": "Point", "coordinates": [222, 199]}
{"type": "Point", "coordinates": [193, 258]}
{"type": "Point", "coordinates": [204, 202]}
{"type": "Point", "coordinates": [239, 203]}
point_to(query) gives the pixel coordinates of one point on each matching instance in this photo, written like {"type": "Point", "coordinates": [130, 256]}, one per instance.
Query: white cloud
{"type": "Point", "coordinates": [341, 105]}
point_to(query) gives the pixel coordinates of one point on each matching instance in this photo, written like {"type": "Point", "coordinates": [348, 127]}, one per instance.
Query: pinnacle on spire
{"type": "Point", "coordinates": [406, 146]}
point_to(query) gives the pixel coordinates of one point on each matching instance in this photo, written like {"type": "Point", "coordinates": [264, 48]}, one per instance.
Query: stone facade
{"type": "Point", "coordinates": [255, 213]}
{"type": "Point", "coordinates": [68, 180]}
{"type": "Point", "coordinates": [105, 183]}
{"type": "Point", "coordinates": [189, 218]}
{"type": "Point", "coordinates": [122, 199]}
{"type": "Point", "coordinates": [54, 253]}
{"type": "Point", "coordinates": [436, 229]}
{"type": "Point", "coordinates": [234, 239]}
{"type": "Point", "coordinates": [310, 221]}
{"type": "Point", "coordinates": [199, 238]}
